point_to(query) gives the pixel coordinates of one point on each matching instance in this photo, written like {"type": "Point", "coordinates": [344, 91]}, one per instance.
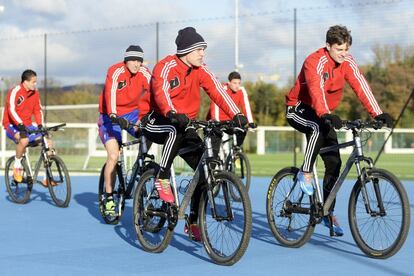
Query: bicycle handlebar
{"type": "Point", "coordinates": [359, 124]}
{"type": "Point", "coordinates": [46, 129]}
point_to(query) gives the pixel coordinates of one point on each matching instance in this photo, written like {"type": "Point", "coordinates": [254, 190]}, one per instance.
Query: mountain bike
{"type": "Point", "coordinates": [123, 180]}
{"type": "Point", "coordinates": [225, 224]}
{"type": "Point", "coordinates": [56, 174]}
{"type": "Point", "coordinates": [378, 208]}
{"type": "Point", "coordinates": [235, 160]}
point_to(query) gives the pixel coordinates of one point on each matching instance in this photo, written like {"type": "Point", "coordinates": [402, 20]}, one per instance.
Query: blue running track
{"type": "Point", "coordinates": [40, 239]}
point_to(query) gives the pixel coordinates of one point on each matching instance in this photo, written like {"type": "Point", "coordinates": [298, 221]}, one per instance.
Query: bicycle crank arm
{"type": "Point", "coordinates": [294, 208]}
{"type": "Point", "coordinates": [155, 213]}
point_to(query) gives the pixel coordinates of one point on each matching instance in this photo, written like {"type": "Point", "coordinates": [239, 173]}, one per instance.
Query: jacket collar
{"type": "Point", "coordinates": [181, 64]}
{"type": "Point", "coordinates": [330, 60]}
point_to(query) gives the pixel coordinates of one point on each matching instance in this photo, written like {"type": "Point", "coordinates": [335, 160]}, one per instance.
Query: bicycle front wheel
{"type": "Point", "coordinates": [240, 166]}
{"type": "Point", "coordinates": [226, 234]}
{"type": "Point", "coordinates": [59, 182]}
{"type": "Point", "coordinates": [150, 215]}
{"type": "Point", "coordinates": [286, 208]}
{"type": "Point", "coordinates": [19, 192]}
{"type": "Point", "coordinates": [379, 233]}
{"type": "Point", "coordinates": [117, 193]}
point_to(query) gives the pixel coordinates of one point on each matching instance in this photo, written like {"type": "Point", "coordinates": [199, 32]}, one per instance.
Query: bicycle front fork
{"type": "Point", "coordinates": [213, 189]}
{"type": "Point", "coordinates": [365, 178]}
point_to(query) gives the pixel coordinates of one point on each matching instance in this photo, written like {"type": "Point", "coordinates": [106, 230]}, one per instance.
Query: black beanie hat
{"type": "Point", "coordinates": [188, 40]}
{"type": "Point", "coordinates": [134, 52]}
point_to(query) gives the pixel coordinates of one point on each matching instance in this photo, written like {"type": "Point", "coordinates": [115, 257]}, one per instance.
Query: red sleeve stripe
{"type": "Point", "coordinates": [12, 105]}
{"type": "Point", "coordinates": [114, 87]}
{"type": "Point", "coordinates": [364, 85]}
{"type": "Point", "coordinates": [319, 69]}
{"type": "Point", "coordinates": [166, 85]}
{"type": "Point", "coordinates": [146, 73]}
{"type": "Point", "coordinates": [223, 93]}
{"type": "Point", "coordinates": [247, 105]}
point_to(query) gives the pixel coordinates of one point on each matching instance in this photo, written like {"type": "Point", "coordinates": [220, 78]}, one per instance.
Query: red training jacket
{"type": "Point", "coordinates": [122, 90]}
{"type": "Point", "coordinates": [21, 105]}
{"type": "Point", "coordinates": [240, 98]}
{"type": "Point", "coordinates": [321, 81]}
{"type": "Point", "coordinates": [175, 86]}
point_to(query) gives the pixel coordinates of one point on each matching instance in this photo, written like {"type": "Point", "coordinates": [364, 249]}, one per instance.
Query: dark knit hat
{"type": "Point", "coordinates": [134, 52]}
{"type": "Point", "coordinates": [188, 40]}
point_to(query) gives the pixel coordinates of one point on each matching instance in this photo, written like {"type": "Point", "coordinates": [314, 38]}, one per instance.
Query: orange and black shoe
{"type": "Point", "coordinates": [18, 174]}
{"type": "Point", "coordinates": [45, 183]}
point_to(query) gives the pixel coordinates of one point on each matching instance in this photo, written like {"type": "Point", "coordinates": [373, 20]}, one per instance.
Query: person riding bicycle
{"type": "Point", "coordinates": [175, 97]}
{"type": "Point", "coordinates": [22, 103]}
{"type": "Point", "coordinates": [239, 96]}
{"type": "Point", "coordinates": [126, 83]}
{"type": "Point", "coordinates": [317, 92]}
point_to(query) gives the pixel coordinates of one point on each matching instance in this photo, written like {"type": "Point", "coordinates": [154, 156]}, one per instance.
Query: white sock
{"type": "Point", "coordinates": [17, 162]}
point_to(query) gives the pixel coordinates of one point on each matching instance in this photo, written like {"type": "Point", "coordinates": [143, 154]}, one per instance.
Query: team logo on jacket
{"type": "Point", "coordinates": [174, 83]}
{"type": "Point", "coordinates": [20, 100]}
{"type": "Point", "coordinates": [325, 76]}
{"type": "Point", "coordinates": [121, 84]}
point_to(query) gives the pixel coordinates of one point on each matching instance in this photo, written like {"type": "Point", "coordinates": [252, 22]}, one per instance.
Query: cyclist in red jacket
{"type": "Point", "coordinates": [23, 102]}
{"type": "Point", "coordinates": [175, 92]}
{"type": "Point", "coordinates": [317, 92]}
{"type": "Point", "coordinates": [126, 83]}
{"type": "Point", "coordinates": [239, 95]}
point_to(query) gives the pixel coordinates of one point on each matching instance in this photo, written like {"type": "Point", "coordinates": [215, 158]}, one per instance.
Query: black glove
{"type": "Point", "coordinates": [333, 120]}
{"type": "Point", "coordinates": [39, 127]}
{"type": "Point", "coordinates": [240, 120]}
{"type": "Point", "coordinates": [252, 125]}
{"type": "Point", "coordinates": [23, 131]}
{"type": "Point", "coordinates": [385, 118]}
{"type": "Point", "coordinates": [180, 119]}
{"type": "Point", "coordinates": [122, 122]}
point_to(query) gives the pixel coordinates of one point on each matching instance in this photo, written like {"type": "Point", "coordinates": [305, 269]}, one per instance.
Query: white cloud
{"type": "Point", "coordinates": [52, 7]}
{"type": "Point", "coordinates": [266, 40]}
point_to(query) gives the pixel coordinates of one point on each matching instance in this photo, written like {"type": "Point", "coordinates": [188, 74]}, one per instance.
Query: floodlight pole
{"type": "Point", "coordinates": [295, 140]}
{"type": "Point", "coordinates": [45, 78]}
{"type": "Point", "coordinates": [236, 37]}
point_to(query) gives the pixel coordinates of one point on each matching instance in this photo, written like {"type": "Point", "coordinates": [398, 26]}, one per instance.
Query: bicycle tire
{"type": "Point", "coordinates": [392, 208]}
{"type": "Point", "coordinates": [286, 235]}
{"type": "Point", "coordinates": [60, 193]}
{"type": "Point", "coordinates": [19, 192]}
{"type": "Point", "coordinates": [240, 166]}
{"type": "Point", "coordinates": [152, 231]}
{"type": "Point", "coordinates": [241, 209]}
{"type": "Point", "coordinates": [118, 198]}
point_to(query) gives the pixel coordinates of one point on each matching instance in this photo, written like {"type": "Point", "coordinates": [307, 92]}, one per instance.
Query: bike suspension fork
{"type": "Point", "coordinates": [362, 177]}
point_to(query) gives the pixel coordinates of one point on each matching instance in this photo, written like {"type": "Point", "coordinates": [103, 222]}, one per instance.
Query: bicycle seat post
{"type": "Point", "coordinates": [174, 184]}
{"type": "Point", "coordinates": [317, 186]}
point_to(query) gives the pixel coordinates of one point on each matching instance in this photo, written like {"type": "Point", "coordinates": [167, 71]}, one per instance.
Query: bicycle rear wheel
{"type": "Point", "coordinates": [379, 235]}
{"type": "Point", "coordinates": [284, 200]}
{"type": "Point", "coordinates": [19, 192]}
{"type": "Point", "coordinates": [150, 215]}
{"type": "Point", "coordinates": [118, 195]}
{"type": "Point", "coordinates": [239, 165]}
{"type": "Point", "coordinates": [226, 236]}
{"type": "Point", "coordinates": [59, 182]}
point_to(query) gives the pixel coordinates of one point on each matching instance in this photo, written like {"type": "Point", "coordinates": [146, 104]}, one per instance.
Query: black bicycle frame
{"type": "Point", "coordinates": [203, 167]}
{"type": "Point", "coordinates": [43, 158]}
{"type": "Point", "coordinates": [355, 158]}
{"type": "Point", "coordinates": [137, 167]}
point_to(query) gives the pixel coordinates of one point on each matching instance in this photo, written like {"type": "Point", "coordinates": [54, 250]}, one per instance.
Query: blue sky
{"type": "Point", "coordinates": [266, 37]}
